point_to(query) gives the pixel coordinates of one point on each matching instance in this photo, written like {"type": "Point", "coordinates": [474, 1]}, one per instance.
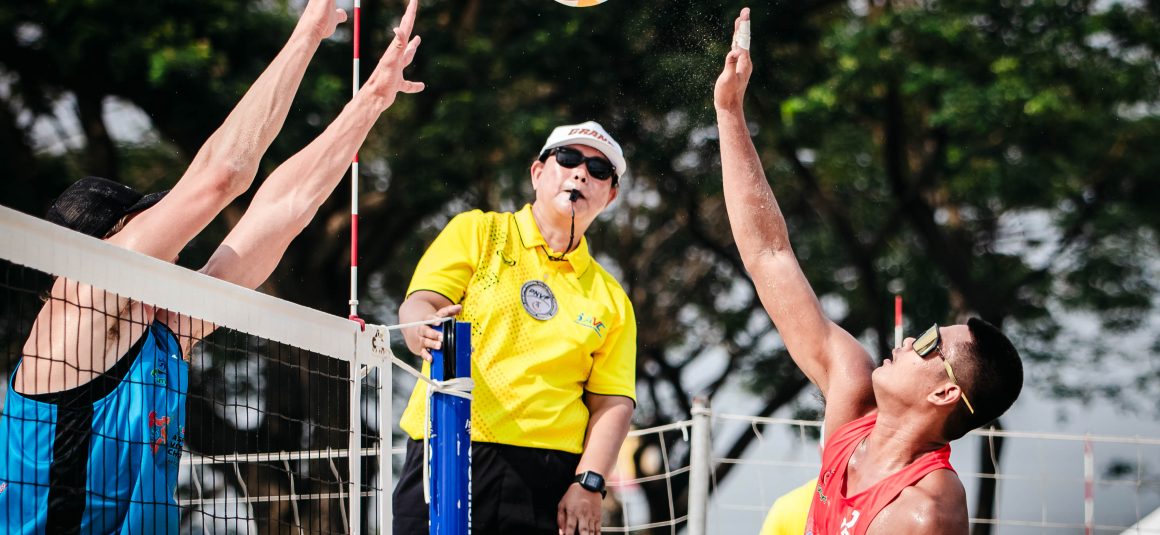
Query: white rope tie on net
{"type": "Point", "coordinates": [459, 387]}
{"type": "Point", "coordinates": [401, 326]}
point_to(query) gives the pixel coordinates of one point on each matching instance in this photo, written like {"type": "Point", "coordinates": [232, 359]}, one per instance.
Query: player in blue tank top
{"type": "Point", "coordinates": [93, 424]}
{"type": "Point", "coordinates": [68, 449]}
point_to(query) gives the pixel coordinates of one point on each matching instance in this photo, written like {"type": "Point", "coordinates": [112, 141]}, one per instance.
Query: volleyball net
{"type": "Point", "coordinates": [277, 421]}
{"type": "Point", "coordinates": [287, 419]}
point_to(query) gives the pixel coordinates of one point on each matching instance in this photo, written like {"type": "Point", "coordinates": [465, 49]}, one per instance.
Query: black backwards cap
{"type": "Point", "coordinates": [93, 205]}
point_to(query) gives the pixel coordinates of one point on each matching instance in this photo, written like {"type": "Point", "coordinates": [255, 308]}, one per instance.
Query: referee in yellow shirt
{"type": "Point", "coordinates": [554, 361]}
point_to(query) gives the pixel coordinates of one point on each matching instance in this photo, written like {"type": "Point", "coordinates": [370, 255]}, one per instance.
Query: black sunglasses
{"type": "Point", "coordinates": [599, 168]}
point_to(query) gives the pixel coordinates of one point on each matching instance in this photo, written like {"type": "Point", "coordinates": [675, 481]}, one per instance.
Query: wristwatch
{"type": "Point", "coordinates": [592, 481]}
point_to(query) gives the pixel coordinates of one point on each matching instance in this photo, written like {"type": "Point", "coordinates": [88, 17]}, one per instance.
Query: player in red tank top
{"type": "Point", "coordinates": [886, 466]}
{"type": "Point", "coordinates": [836, 511]}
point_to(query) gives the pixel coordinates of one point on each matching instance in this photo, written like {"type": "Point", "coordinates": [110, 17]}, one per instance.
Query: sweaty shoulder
{"type": "Point", "coordinates": [936, 505]}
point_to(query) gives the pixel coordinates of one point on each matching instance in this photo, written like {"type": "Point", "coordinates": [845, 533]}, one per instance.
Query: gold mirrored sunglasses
{"type": "Point", "coordinates": [928, 342]}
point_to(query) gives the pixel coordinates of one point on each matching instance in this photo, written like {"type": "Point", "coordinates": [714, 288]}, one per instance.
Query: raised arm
{"type": "Point", "coordinates": [291, 195]}
{"type": "Point", "coordinates": [289, 198]}
{"type": "Point", "coordinates": [825, 352]}
{"type": "Point", "coordinates": [82, 331]}
{"type": "Point", "coordinates": [225, 165]}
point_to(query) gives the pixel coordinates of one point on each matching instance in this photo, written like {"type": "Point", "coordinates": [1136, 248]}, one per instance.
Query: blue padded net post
{"type": "Point", "coordinates": [450, 443]}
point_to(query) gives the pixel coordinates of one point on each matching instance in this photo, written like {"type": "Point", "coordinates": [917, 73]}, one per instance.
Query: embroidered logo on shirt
{"type": "Point", "coordinates": [825, 479]}
{"type": "Point", "coordinates": [158, 431]}
{"type": "Point", "coordinates": [592, 323]}
{"type": "Point", "coordinates": [3, 487]}
{"type": "Point", "coordinates": [538, 300]}
{"type": "Point", "coordinates": [159, 373]}
{"type": "Point", "coordinates": [173, 449]}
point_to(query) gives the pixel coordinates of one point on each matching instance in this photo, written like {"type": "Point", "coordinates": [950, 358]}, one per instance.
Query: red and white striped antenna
{"type": "Point", "coordinates": [897, 321]}
{"type": "Point", "coordinates": [354, 177]}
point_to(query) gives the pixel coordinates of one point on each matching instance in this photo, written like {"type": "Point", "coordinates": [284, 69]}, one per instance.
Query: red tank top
{"type": "Point", "coordinates": [834, 513]}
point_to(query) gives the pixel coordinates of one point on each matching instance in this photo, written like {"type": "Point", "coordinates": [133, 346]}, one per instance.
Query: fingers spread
{"type": "Point", "coordinates": [408, 22]}
{"type": "Point", "coordinates": [412, 47]}
{"type": "Point", "coordinates": [411, 87]}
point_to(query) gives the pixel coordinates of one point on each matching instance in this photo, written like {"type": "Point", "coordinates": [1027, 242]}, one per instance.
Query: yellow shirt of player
{"type": "Point", "coordinates": [544, 331]}
{"type": "Point", "coordinates": [789, 512]}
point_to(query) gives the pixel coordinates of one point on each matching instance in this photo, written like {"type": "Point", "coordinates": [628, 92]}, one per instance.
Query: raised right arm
{"type": "Point", "coordinates": [226, 164]}
{"type": "Point", "coordinates": [70, 342]}
{"type": "Point", "coordinates": [289, 199]}
{"type": "Point", "coordinates": [828, 355]}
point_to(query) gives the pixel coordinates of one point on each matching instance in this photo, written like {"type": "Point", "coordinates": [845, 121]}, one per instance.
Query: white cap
{"type": "Point", "coordinates": [590, 134]}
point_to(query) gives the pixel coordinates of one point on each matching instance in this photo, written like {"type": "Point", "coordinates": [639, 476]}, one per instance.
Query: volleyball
{"type": "Point", "coordinates": [581, 3]}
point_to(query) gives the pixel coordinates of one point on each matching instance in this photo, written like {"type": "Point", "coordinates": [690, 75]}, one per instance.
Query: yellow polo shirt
{"type": "Point", "coordinates": [543, 331]}
{"type": "Point", "coordinates": [788, 514]}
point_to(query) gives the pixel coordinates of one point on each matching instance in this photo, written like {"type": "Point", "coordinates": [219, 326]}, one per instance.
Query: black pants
{"type": "Point", "coordinates": [514, 490]}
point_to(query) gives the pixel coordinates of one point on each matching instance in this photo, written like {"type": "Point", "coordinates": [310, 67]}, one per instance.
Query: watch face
{"type": "Point", "coordinates": [592, 481]}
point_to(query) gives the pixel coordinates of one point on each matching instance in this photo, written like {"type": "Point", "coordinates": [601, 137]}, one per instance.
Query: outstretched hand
{"type": "Point", "coordinates": [321, 18]}
{"type": "Point", "coordinates": [729, 91]}
{"type": "Point", "coordinates": [387, 79]}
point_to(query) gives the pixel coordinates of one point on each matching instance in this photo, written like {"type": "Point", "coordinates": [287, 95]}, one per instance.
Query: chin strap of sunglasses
{"type": "Point", "coordinates": [571, 228]}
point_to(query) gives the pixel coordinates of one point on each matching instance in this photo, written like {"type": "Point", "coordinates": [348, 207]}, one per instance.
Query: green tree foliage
{"type": "Point", "coordinates": [981, 157]}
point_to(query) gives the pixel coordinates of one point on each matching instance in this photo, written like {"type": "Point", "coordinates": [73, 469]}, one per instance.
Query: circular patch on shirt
{"type": "Point", "coordinates": [538, 300]}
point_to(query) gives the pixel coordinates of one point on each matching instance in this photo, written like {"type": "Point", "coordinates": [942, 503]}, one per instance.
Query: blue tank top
{"type": "Point", "coordinates": [102, 457]}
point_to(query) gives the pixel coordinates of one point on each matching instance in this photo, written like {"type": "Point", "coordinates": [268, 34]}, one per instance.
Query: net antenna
{"type": "Point", "coordinates": [897, 321]}
{"type": "Point", "coordinates": [354, 176]}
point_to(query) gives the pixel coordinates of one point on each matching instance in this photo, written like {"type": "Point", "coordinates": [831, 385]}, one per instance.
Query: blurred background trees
{"type": "Point", "coordinates": [994, 158]}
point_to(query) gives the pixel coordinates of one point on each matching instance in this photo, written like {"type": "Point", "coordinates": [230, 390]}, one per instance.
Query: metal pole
{"type": "Point", "coordinates": [700, 457]}
{"type": "Point", "coordinates": [354, 461]}
{"type": "Point", "coordinates": [386, 461]}
{"type": "Point", "coordinates": [450, 507]}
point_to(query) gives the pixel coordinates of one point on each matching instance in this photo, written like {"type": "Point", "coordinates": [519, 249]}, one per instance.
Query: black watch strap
{"type": "Point", "coordinates": [592, 481]}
